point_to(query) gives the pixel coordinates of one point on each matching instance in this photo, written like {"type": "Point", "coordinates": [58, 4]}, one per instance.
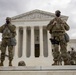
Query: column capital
{"type": "Point", "coordinates": [25, 27]}
{"type": "Point", "coordinates": [17, 28]}
{"type": "Point", "coordinates": [32, 27]}
{"type": "Point", "coordinates": [40, 26]}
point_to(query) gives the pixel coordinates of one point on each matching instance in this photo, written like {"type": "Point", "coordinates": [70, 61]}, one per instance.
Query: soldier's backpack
{"type": "Point", "coordinates": [13, 41]}
{"type": "Point", "coordinates": [66, 36]}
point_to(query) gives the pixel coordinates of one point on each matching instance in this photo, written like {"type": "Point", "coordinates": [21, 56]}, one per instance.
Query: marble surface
{"type": "Point", "coordinates": [39, 68]}
{"type": "Point", "coordinates": [38, 72]}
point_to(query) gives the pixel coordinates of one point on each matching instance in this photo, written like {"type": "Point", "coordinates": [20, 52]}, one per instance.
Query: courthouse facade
{"type": "Point", "coordinates": [33, 44]}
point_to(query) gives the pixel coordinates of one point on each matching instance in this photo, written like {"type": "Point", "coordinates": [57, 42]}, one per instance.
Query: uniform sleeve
{"type": "Point", "coordinates": [2, 28]}
{"type": "Point", "coordinates": [50, 25]}
{"type": "Point", "coordinates": [66, 26]}
{"type": "Point", "coordinates": [13, 29]}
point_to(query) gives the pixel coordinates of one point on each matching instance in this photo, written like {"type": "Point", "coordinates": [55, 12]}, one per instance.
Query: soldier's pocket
{"type": "Point", "coordinates": [13, 41]}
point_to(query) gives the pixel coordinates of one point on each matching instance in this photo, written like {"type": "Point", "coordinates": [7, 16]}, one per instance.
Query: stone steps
{"type": "Point", "coordinates": [39, 68]}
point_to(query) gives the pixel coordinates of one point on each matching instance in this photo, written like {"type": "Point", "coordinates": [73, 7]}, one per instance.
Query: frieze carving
{"type": "Point", "coordinates": [35, 15]}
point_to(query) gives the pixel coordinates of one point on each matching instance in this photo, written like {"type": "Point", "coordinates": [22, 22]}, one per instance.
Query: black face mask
{"type": "Point", "coordinates": [57, 14]}
{"type": "Point", "coordinates": [7, 21]}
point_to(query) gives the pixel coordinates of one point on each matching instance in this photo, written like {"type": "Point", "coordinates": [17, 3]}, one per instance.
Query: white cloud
{"type": "Point", "coordinates": [72, 33]}
{"type": "Point", "coordinates": [62, 3]}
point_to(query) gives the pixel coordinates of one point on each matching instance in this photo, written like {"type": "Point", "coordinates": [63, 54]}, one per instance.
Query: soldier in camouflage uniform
{"type": "Point", "coordinates": [57, 28]}
{"type": "Point", "coordinates": [69, 60]}
{"type": "Point", "coordinates": [8, 31]}
{"type": "Point", "coordinates": [21, 63]}
{"type": "Point", "coordinates": [60, 60]}
{"type": "Point", "coordinates": [73, 55]}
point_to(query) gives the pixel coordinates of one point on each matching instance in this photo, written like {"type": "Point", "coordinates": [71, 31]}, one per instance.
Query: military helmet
{"type": "Point", "coordinates": [8, 18]}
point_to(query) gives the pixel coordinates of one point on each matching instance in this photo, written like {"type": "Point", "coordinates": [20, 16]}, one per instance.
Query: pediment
{"type": "Point", "coordinates": [35, 15]}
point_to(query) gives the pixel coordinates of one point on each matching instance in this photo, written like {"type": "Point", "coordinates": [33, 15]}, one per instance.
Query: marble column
{"type": "Point", "coordinates": [17, 39]}
{"type": "Point", "coordinates": [49, 44]}
{"type": "Point", "coordinates": [41, 40]}
{"type": "Point", "coordinates": [32, 42]}
{"type": "Point", "coordinates": [24, 42]}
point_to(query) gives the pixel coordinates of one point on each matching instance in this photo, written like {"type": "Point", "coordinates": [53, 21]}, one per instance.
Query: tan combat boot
{"type": "Point", "coordinates": [66, 62]}
{"type": "Point", "coordinates": [55, 63]}
{"type": "Point", "coordinates": [10, 63]}
{"type": "Point", "coordinates": [1, 64]}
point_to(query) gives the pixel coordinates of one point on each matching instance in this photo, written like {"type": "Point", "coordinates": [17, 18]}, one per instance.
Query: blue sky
{"type": "Point", "coordinates": [15, 7]}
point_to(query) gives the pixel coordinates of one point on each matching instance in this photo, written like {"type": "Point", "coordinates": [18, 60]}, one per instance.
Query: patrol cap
{"type": "Point", "coordinates": [8, 18]}
{"type": "Point", "coordinates": [57, 11]}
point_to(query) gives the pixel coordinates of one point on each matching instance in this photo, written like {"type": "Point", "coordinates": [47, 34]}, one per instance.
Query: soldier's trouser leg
{"type": "Point", "coordinates": [3, 51]}
{"type": "Point", "coordinates": [10, 51]}
{"type": "Point", "coordinates": [63, 46]}
{"type": "Point", "coordinates": [60, 60]}
{"type": "Point", "coordinates": [55, 54]}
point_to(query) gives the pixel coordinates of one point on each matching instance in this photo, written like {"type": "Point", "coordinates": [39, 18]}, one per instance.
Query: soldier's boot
{"type": "Point", "coordinates": [10, 63]}
{"type": "Point", "coordinates": [1, 64]}
{"type": "Point", "coordinates": [55, 63]}
{"type": "Point", "coordinates": [66, 62]}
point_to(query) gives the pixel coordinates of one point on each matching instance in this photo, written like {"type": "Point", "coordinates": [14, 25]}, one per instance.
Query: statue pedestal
{"type": "Point", "coordinates": [39, 70]}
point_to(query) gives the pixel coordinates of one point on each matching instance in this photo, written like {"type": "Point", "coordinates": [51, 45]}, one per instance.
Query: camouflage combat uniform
{"type": "Point", "coordinates": [73, 55]}
{"type": "Point", "coordinates": [58, 35]}
{"type": "Point", "coordinates": [8, 32]}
